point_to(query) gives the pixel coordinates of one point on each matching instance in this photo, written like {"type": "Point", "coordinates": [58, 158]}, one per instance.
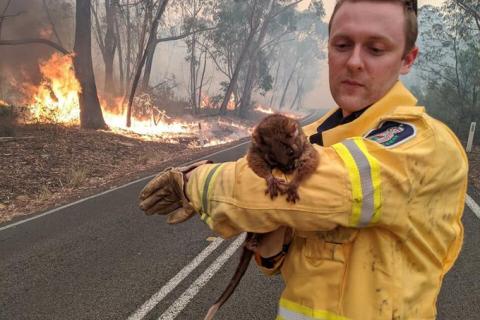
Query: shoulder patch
{"type": "Point", "coordinates": [392, 133]}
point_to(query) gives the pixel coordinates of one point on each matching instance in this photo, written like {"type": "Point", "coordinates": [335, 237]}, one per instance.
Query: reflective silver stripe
{"type": "Point", "coordinates": [366, 179]}
{"type": "Point", "coordinates": [290, 315]}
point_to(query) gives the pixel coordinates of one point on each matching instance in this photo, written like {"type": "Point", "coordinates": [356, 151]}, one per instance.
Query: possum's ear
{"type": "Point", "coordinates": [292, 129]}
{"type": "Point", "coordinates": [256, 137]}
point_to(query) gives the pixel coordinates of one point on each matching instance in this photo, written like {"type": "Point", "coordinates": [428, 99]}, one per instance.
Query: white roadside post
{"type": "Point", "coordinates": [200, 134]}
{"type": "Point", "coordinates": [470, 136]}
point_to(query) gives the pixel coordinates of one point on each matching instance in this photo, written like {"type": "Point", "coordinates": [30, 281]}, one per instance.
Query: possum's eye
{"type": "Point", "coordinates": [288, 149]}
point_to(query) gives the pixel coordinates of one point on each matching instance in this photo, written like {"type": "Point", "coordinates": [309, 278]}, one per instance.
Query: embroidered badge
{"type": "Point", "coordinates": [392, 133]}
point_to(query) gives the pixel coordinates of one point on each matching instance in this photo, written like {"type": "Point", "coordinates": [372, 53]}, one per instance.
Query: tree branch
{"type": "Point", "coordinates": [3, 16]}
{"type": "Point", "coordinates": [475, 13]}
{"type": "Point", "coordinates": [184, 35]}
{"type": "Point", "coordinates": [98, 32]}
{"type": "Point", "coordinates": [34, 41]}
{"type": "Point", "coordinates": [51, 22]}
{"type": "Point", "coordinates": [283, 9]}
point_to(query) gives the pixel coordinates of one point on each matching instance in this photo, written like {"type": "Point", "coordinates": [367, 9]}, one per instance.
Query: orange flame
{"type": "Point", "coordinates": [55, 100]}
{"type": "Point", "coordinates": [263, 109]}
{"type": "Point", "coordinates": [209, 103]}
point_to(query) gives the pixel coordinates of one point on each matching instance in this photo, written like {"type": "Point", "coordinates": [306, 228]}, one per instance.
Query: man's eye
{"type": "Point", "coordinates": [341, 46]}
{"type": "Point", "coordinates": [376, 51]}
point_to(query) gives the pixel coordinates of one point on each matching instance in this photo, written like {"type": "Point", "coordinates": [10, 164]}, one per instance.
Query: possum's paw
{"type": "Point", "coordinates": [273, 187]}
{"type": "Point", "coordinates": [292, 194]}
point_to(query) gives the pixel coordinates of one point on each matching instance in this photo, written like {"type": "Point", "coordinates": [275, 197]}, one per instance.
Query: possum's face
{"type": "Point", "coordinates": [281, 142]}
{"type": "Point", "coordinates": [284, 153]}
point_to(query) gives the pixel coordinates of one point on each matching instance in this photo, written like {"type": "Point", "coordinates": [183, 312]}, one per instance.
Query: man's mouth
{"type": "Point", "coordinates": [352, 83]}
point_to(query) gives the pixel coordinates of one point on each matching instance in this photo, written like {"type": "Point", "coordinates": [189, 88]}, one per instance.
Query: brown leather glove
{"type": "Point", "coordinates": [165, 194]}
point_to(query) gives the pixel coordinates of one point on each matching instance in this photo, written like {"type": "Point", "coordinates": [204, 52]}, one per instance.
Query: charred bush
{"type": "Point", "coordinates": [8, 120]}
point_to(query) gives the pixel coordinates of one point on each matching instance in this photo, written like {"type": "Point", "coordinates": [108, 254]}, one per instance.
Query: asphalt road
{"type": "Point", "coordinates": [104, 259]}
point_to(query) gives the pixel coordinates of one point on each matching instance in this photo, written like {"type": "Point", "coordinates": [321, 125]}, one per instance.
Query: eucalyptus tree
{"type": "Point", "coordinates": [91, 116]}
{"type": "Point", "coordinates": [197, 22]}
{"type": "Point", "coordinates": [298, 58]}
{"type": "Point", "coordinates": [450, 54]}
{"type": "Point", "coordinates": [106, 38]}
{"type": "Point", "coordinates": [250, 40]}
{"type": "Point", "coordinates": [143, 56]}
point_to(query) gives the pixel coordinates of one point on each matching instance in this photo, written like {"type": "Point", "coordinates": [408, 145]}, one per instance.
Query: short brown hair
{"type": "Point", "coordinates": [411, 25]}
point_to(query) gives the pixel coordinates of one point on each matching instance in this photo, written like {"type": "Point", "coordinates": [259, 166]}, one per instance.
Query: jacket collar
{"type": "Point", "coordinates": [397, 96]}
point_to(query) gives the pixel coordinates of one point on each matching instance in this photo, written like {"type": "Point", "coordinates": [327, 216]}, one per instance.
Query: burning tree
{"type": "Point", "coordinates": [91, 116]}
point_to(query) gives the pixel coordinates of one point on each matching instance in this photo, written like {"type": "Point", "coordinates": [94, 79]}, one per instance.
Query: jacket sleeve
{"type": "Point", "coordinates": [358, 183]}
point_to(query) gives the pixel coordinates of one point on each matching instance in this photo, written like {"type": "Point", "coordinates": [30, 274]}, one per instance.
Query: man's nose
{"type": "Point", "coordinates": [355, 61]}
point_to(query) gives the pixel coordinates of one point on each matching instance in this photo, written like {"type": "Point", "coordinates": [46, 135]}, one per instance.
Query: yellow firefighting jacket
{"type": "Point", "coordinates": [377, 226]}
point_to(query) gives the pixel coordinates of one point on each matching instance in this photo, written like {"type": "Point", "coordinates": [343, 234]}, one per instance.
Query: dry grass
{"type": "Point", "coordinates": [76, 177]}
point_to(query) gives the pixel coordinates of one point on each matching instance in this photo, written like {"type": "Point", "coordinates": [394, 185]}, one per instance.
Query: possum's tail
{"type": "Point", "coordinates": [237, 276]}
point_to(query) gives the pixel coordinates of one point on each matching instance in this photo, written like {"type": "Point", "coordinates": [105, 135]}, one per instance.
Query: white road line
{"type": "Point", "coordinates": [179, 277]}
{"type": "Point", "coordinates": [177, 307]}
{"type": "Point", "coordinates": [113, 189]}
{"type": "Point", "coordinates": [473, 205]}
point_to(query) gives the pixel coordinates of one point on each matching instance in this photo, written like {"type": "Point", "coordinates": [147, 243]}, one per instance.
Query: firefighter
{"type": "Point", "coordinates": [379, 223]}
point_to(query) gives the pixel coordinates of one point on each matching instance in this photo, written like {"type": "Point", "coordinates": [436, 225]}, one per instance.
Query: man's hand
{"type": "Point", "coordinates": [165, 194]}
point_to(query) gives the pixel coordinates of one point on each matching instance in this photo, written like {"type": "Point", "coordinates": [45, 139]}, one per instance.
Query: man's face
{"type": "Point", "coordinates": [365, 53]}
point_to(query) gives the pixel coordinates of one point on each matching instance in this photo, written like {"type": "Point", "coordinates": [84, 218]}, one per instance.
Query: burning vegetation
{"type": "Point", "coordinates": [229, 65]}
{"type": "Point", "coordinates": [55, 101]}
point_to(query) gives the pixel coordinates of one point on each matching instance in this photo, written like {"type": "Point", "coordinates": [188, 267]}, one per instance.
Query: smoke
{"type": "Point", "coordinates": [29, 19]}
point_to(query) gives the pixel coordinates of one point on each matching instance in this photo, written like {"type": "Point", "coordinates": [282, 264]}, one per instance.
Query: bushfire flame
{"type": "Point", "coordinates": [55, 100]}
{"type": "Point", "coordinates": [263, 109]}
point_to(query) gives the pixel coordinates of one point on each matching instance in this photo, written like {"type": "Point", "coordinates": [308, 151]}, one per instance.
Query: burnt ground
{"type": "Point", "coordinates": [45, 166]}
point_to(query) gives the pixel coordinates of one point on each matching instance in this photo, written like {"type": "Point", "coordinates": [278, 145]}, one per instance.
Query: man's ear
{"type": "Point", "coordinates": [408, 61]}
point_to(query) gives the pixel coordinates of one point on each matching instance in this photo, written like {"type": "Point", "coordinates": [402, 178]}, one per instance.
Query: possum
{"type": "Point", "coordinates": [278, 142]}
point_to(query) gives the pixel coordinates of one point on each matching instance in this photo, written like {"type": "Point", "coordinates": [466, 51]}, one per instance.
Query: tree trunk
{"type": "Point", "coordinates": [275, 81]}
{"type": "Point", "coordinates": [298, 93]}
{"type": "Point", "coordinates": [110, 45]}
{"type": "Point", "coordinates": [252, 68]}
{"type": "Point", "coordinates": [193, 75]}
{"type": "Point", "coordinates": [246, 98]}
{"type": "Point", "coordinates": [120, 53]}
{"type": "Point", "coordinates": [91, 116]}
{"type": "Point", "coordinates": [148, 67]}
{"type": "Point", "coordinates": [129, 48]}
{"type": "Point", "coordinates": [150, 45]}
{"type": "Point", "coordinates": [284, 95]}
{"type": "Point", "coordinates": [236, 72]}
{"type": "Point", "coordinates": [200, 86]}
